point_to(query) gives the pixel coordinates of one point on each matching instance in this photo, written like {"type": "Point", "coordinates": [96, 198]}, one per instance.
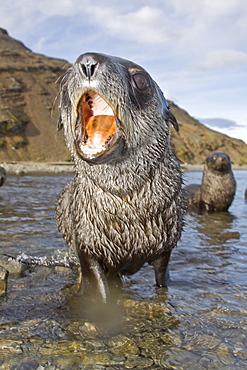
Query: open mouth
{"type": "Point", "coordinates": [97, 130]}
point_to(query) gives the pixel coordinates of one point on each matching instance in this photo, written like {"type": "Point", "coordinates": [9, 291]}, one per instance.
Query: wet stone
{"type": "Point", "coordinates": [149, 343]}
{"type": "Point", "coordinates": [197, 341]}
{"type": "Point", "coordinates": [67, 362]}
{"type": "Point", "coordinates": [217, 365]}
{"type": "Point", "coordinates": [230, 235]}
{"type": "Point", "coordinates": [158, 354]}
{"type": "Point", "coordinates": [24, 329]}
{"type": "Point", "coordinates": [121, 345]}
{"type": "Point", "coordinates": [95, 344]}
{"type": "Point", "coordinates": [173, 359]}
{"type": "Point", "coordinates": [36, 341]}
{"type": "Point", "coordinates": [138, 362]}
{"type": "Point", "coordinates": [102, 367]}
{"type": "Point", "coordinates": [10, 346]}
{"type": "Point", "coordinates": [3, 280]}
{"type": "Point", "coordinates": [145, 309]}
{"type": "Point", "coordinates": [89, 328]}
{"type": "Point", "coordinates": [240, 351]}
{"type": "Point", "coordinates": [100, 358]}
{"type": "Point", "coordinates": [74, 328]}
{"type": "Point", "coordinates": [28, 365]}
{"type": "Point", "coordinates": [48, 365]}
{"type": "Point", "coordinates": [44, 328]}
{"type": "Point", "coordinates": [206, 361]}
{"type": "Point", "coordinates": [171, 338]}
{"type": "Point", "coordinates": [225, 354]}
{"type": "Point", "coordinates": [27, 347]}
{"type": "Point", "coordinates": [61, 348]}
{"type": "Point", "coordinates": [12, 265]}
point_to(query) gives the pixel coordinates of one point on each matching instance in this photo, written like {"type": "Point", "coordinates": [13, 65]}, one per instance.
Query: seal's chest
{"type": "Point", "coordinates": [123, 232]}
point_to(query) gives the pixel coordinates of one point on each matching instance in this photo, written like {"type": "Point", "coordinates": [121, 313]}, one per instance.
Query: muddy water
{"type": "Point", "coordinates": [199, 322]}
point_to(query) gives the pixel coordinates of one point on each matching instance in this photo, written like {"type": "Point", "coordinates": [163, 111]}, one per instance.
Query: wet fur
{"type": "Point", "coordinates": [118, 215]}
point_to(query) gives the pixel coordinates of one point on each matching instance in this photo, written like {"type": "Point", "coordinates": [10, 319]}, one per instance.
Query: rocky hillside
{"type": "Point", "coordinates": [27, 94]}
{"type": "Point", "coordinates": [194, 141]}
{"type": "Point", "coordinates": [28, 121]}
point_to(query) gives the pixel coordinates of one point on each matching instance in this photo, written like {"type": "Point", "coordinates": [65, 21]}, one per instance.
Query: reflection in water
{"type": "Point", "coordinates": [198, 322]}
{"type": "Point", "coordinates": [214, 227]}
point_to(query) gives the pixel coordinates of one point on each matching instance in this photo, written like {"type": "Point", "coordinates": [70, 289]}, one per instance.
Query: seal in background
{"type": "Point", "coordinates": [218, 187]}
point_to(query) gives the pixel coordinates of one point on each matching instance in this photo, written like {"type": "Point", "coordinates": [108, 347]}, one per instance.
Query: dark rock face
{"type": "Point", "coordinates": [124, 206]}
{"type": "Point", "coordinates": [218, 187]}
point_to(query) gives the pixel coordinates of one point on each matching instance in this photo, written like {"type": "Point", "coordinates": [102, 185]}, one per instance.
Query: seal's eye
{"type": "Point", "coordinates": [141, 82]}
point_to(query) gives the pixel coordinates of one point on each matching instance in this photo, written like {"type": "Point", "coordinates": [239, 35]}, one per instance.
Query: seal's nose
{"type": "Point", "coordinates": [88, 64]}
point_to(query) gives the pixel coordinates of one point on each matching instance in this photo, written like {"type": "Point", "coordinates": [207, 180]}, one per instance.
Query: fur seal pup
{"type": "Point", "coordinates": [124, 205]}
{"type": "Point", "coordinates": [3, 176]}
{"type": "Point", "coordinates": [218, 186]}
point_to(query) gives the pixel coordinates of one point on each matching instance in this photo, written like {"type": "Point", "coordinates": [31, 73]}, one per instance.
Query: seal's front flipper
{"type": "Point", "coordinates": [93, 278]}
{"type": "Point", "coordinates": [160, 267]}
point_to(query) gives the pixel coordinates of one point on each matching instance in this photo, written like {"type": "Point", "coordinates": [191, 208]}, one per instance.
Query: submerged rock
{"type": "Point", "coordinates": [121, 345]}
{"type": "Point", "coordinates": [145, 309]}
{"type": "Point", "coordinates": [3, 280]}
{"type": "Point", "coordinates": [12, 264]}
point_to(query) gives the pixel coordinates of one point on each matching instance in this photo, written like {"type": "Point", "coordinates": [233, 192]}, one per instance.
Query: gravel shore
{"type": "Point", "coordinates": [22, 168]}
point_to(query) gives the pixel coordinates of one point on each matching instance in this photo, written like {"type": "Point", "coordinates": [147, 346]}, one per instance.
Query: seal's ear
{"type": "Point", "coordinates": [169, 116]}
{"type": "Point", "coordinates": [172, 120]}
{"type": "Point", "coordinates": [59, 123]}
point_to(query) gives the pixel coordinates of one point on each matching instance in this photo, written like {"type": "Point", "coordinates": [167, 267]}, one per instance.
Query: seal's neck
{"type": "Point", "coordinates": [132, 175]}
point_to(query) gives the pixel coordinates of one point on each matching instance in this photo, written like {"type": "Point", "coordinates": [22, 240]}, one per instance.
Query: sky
{"type": "Point", "coordinates": [196, 50]}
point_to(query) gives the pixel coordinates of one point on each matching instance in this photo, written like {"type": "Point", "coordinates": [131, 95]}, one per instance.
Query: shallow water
{"type": "Point", "coordinates": [199, 322]}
